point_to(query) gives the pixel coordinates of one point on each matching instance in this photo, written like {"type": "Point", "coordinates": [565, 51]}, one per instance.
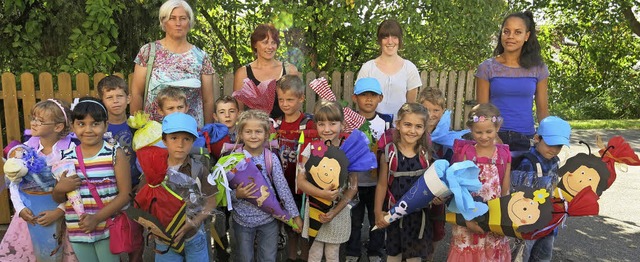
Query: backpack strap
{"type": "Point", "coordinates": [534, 162]}
{"type": "Point", "coordinates": [391, 157]}
{"type": "Point", "coordinates": [305, 120]}
{"type": "Point", "coordinates": [424, 158]}
{"type": "Point", "coordinates": [268, 161]}
{"type": "Point", "coordinates": [152, 59]}
{"type": "Point", "coordinates": [504, 157]}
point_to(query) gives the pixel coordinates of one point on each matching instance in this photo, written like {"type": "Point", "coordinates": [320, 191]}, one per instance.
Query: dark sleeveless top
{"type": "Point", "coordinates": [276, 111]}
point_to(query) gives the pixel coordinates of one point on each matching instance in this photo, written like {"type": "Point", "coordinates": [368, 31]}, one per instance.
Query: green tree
{"type": "Point", "coordinates": [591, 48]}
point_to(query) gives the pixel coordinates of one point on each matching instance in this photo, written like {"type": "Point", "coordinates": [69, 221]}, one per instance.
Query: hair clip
{"type": "Point", "coordinates": [493, 119]}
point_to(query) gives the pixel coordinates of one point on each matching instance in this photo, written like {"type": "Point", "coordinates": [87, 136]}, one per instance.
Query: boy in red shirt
{"type": "Point", "coordinates": [290, 90]}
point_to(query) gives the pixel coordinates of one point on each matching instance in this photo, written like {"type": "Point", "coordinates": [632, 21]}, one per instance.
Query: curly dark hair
{"type": "Point", "coordinates": [530, 54]}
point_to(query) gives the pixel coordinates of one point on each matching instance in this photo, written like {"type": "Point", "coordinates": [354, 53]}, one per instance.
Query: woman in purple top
{"type": "Point", "coordinates": [514, 78]}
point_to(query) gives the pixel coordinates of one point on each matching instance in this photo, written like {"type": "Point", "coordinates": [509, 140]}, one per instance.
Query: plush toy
{"type": "Point", "coordinates": [73, 196]}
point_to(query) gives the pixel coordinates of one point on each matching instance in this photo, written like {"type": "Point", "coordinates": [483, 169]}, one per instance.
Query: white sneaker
{"type": "Point", "coordinates": [352, 259]}
{"type": "Point", "coordinates": [375, 259]}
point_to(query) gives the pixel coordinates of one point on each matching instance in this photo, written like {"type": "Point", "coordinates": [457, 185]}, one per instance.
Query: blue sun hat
{"type": "Point", "coordinates": [554, 131]}
{"type": "Point", "coordinates": [367, 84]}
{"type": "Point", "coordinates": [179, 122]}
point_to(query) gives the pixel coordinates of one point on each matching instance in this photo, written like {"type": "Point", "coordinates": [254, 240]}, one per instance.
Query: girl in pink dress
{"type": "Point", "coordinates": [36, 213]}
{"type": "Point", "coordinates": [471, 243]}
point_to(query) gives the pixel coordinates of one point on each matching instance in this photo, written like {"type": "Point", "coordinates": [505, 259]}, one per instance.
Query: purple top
{"type": "Point", "coordinates": [512, 90]}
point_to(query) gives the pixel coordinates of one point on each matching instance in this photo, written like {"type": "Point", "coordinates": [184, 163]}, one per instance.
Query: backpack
{"type": "Point", "coordinates": [462, 151]}
{"type": "Point", "coordinates": [303, 122]}
{"type": "Point", "coordinates": [535, 178]}
{"type": "Point", "coordinates": [61, 145]}
{"type": "Point", "coordinates": [516, 161]}
{"type": "Point", "coordinates": [391, 157]}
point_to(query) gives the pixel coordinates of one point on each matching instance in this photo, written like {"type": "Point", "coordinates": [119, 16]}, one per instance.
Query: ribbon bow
{"type": "Point", "coordinates": [353, 119]}
{"type": "Point", "coordinates": [219, 175]}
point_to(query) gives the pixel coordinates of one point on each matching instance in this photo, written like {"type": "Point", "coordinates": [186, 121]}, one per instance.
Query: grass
{"type": "Point", "coordinates": [606, 124]}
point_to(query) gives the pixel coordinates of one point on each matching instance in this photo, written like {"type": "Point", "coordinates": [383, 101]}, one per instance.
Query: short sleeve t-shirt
{"type": "Point", "coordinates": [121, 134]}
{"type": "Point", "coordinates": [378, 125]}
{"type": "Point", "coordinates": [288, 142]}
{"type": "Point", "coordinates": [394, 87]}
{"type": "Point", "coordinates": [512, 90]}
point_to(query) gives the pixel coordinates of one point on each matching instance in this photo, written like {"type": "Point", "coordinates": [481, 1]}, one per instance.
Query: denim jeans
{"type": "Point", "coordinates": [195, 249]}
{"type": "Point", "coordinates": [516, 141]}
{"type": "Point", "coordinates": [539, 250]}
{"type": "Point", "coordinates": [265, 237]}
{"type": "Point", "coordinates": [376, 238]}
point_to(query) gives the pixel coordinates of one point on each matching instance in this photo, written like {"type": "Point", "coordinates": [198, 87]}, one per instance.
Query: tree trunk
{"type": "Point", "coordinates": [631, 18]}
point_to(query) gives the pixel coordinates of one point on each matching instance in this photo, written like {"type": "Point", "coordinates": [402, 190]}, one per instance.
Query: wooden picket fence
{"type": "Point", "coordinates": [17, 96]}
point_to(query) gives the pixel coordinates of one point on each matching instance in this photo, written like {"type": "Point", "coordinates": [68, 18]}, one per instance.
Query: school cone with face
{"type": "Point", "coordinates": [583, 178]}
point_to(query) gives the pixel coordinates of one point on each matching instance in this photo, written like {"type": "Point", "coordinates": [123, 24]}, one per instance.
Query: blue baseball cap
{"type": "Point", "coordinates": [554, 131]}
{"type": "Point", "coordinates": [367, 84]}
{"type": "Point", "coordinates": [179, 122]}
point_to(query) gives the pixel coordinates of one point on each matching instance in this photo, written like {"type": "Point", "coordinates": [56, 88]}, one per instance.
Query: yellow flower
{"type": "Point", "coordinates": [540, 195]}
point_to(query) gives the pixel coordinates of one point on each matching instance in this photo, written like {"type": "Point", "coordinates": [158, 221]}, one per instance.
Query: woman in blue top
{"type": "Point", "coordinates": [514, 78]}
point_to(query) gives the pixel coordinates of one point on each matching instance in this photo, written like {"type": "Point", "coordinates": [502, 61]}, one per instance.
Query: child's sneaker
{"type": "Point", "coordinates": [375, 259]}
{"type": "Point", "coordinates": [352, 259]}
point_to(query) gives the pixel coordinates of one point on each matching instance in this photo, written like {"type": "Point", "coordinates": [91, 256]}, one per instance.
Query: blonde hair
{"type": "Point", "coordinates": [432, 95]}
{"type": "Point", "coordinates": [59, 111]}
{"type": "Point", "coordinates": [424, 143]}
{"type": "Point", "coordinates": [484, 112]}
{"type": "Point", "coordinates": [291, 82]}
{"type": "Point", "coordinates": [253, 114]}
{"type": "Point", "coordinates": [171, 92]}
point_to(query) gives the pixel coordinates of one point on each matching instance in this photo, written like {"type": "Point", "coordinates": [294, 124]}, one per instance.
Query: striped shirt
{"type": "Point", "coordinates": [100, 172]}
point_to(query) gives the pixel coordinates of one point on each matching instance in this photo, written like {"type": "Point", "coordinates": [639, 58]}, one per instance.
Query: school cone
{"type": "Point", "coordinates": [421, 193]}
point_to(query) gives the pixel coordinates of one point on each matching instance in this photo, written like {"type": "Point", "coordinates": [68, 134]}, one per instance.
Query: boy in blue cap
{"type": "Point", "coordinates": [539, 169]}
{"type": "Point", "coordinates": [367, 94]}
{"type": "Point", "coordinates": [179, 131]}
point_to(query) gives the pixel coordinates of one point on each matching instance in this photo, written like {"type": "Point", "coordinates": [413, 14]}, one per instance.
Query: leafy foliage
{"type": "Point", "coordinates": [591, 52]}
{"type": "Point", "coordinates": [593, 78]}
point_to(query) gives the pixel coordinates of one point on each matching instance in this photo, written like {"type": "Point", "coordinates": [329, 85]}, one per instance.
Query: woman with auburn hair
{"type": "Point", "coordinates": [265, 41]}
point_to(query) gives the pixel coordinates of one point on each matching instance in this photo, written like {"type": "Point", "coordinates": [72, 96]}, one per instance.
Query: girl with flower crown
{"type": "Point", "coordinates": [471, 243]}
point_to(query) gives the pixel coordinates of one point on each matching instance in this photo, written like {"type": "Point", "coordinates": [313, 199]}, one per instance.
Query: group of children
{"type": "Point", "coordinates": [403, 156]}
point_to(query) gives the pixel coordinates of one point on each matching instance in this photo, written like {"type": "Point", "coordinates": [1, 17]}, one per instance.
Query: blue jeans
{"type": "Point", "coordinates": [376, 238]}
{"type": "Point", "coordinates": [265, 238]}
{"type": "Point", "coordinates": [195, 249]}
{"type": "Point", "coordinates": [515, 140]}
{"type": "Point", "coordinates": [539, 250]}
